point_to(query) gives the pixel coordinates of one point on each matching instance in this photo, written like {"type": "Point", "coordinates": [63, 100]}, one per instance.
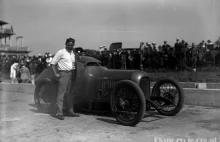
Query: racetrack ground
{"type": "Point", "coordinates": [20, 121]}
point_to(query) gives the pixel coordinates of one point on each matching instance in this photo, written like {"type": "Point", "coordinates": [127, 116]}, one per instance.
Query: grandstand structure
{"type": "Point", "coordinates": [5, 42]}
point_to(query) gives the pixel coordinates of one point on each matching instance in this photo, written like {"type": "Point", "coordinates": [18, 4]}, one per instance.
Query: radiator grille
{"type": "Point", "coordinates": [107, 84]}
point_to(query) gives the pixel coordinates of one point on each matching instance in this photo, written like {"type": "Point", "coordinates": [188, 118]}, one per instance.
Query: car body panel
{"type": "Point", "coordinates": [93, 82]}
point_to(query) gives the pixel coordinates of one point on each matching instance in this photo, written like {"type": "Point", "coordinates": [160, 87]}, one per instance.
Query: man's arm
{"type": "Point", "coordinates": [54, 62]}
{"type": "Point", "coordinates": [55, 71]}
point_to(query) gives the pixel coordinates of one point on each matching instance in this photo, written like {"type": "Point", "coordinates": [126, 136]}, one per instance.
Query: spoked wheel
{"type": "Point", "coordinates": [127, 103]}
{"type": "Point", "coordinates": [168, 96]}
{"type": "Point", "coordinates": [42, 98]}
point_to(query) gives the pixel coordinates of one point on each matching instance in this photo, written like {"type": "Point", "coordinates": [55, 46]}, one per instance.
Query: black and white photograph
{"type": "Point", "coordinates": [109, 70]}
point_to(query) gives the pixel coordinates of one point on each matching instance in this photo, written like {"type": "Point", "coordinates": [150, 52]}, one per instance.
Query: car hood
{"type": "Point", "coordinates": [105, 73]}
{"type": "Point", "coordinates": [119, 74]}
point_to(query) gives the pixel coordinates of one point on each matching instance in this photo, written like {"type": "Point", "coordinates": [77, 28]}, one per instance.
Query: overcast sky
{"type": "Point", "coordinates": [45, 24]}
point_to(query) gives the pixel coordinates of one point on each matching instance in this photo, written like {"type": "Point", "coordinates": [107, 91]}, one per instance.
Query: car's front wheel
{"type": "Point", "coordinates": [127, 103]}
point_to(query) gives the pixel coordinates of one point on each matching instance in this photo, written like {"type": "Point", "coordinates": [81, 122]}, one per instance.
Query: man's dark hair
{"type": "Point", "coordinates": [70, 40]}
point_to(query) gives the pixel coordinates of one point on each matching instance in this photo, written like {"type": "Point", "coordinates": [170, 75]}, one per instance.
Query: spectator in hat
{"type": "Point", "coordinates": [165, 47]}
{"type": "Point", "coordinates": [178, 52]}
{"type": "Point", "coordinates": [203, 44]}
{"type": "Point", "coordinates": [101, 48]}
{"type": "Point", "coordinates": [154, 55]}
{"type": "Point", "coordinates": [141, 46]}
{"type": "Point", "coordinates": [217, 44]}
{"type": "Point", "coordinates": [209, 45]}
{"type": "Point", "coordinates": [105, 57]}
{"type": "Point", "coordinates": [193, 55]}
{"type": "Point", "coordinates": [49, 59]}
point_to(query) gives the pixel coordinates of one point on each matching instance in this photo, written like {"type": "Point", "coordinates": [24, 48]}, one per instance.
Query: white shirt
{"type": "Point", "coordinates": [64, 60]}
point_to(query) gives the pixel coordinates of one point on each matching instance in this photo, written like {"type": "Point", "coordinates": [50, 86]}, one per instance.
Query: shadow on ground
{"type": "Point", "coordinates": [108, 120]}
{"type": "Point", "coordinates": [32, 105]}
{"type": "Point", "coordinates": [34, 109]}
{"type": "Point", "coordinates": [148, 117]}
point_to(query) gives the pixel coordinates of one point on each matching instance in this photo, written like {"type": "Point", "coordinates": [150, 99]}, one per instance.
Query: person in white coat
{"type": "Point", "coordinates": [13, 72]}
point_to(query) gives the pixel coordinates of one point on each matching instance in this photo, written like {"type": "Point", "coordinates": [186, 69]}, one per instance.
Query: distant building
{"type": "Point", "coordinates": [5, 42]}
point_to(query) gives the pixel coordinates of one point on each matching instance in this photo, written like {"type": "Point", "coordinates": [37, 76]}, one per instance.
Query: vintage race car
{"type": "Point", "coordinates": [125, 93]}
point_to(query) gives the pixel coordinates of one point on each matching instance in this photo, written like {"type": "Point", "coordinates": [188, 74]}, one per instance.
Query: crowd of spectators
{"type": "Point", "coordinates": [147, 56]}
{"type": "Point", "coordinates": [23, 69]}
{"type": "Point", "coordinates": [150, 56]}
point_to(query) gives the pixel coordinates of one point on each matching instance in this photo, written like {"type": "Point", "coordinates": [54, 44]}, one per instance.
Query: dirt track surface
{"type": "Point", "coordinates": [20, 121]}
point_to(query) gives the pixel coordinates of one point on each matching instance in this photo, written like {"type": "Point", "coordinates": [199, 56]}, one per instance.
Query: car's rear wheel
{"type": "Point", "coordinates": [168, 96]}
{"type": "Point", "coordinates": [43, 97]}
{"type": "Point", "coordinates": [127, 103]}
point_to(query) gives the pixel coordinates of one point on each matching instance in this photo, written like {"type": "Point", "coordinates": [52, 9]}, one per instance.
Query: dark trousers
{"type": "Point", "coordinates": [64, 82]}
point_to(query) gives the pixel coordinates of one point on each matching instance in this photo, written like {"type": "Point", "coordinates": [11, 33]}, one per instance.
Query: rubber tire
{"type": "Point", "coordinates": [140, 96]}
{"type": "Point", "coordinates": [181, 95]}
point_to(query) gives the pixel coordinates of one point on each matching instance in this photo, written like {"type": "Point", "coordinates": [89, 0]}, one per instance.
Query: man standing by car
{"type": "Point", "coordinates": [64, 59]}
